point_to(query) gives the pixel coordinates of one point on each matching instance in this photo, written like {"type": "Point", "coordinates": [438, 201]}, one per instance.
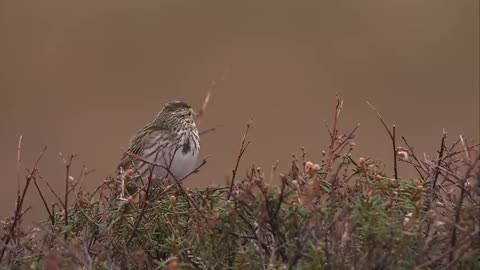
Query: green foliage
{"type": "Point", "coordinates": [338, 214]}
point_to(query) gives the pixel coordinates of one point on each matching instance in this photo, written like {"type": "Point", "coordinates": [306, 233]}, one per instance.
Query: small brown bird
{"type": "Point", "coordinates": [171, 141]}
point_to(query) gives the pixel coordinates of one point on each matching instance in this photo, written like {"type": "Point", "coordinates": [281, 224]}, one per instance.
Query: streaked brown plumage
{"type": "Point", "coordinates": [170, 140]}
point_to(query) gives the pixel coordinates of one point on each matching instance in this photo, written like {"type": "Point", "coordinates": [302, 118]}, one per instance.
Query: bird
{"type": "Point", "coordinates": [167, 147]}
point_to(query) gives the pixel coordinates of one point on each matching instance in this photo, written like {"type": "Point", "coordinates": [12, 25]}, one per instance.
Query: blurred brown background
{"type": "Point", "coordinates": [84, 76]}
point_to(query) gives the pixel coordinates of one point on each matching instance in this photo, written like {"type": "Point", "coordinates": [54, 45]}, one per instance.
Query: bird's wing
{"type": "Point", "coordinates": [147, 138]}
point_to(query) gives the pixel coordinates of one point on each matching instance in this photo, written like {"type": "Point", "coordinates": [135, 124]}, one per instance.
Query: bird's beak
{"type": "Point", "coordinates": [194, 114]}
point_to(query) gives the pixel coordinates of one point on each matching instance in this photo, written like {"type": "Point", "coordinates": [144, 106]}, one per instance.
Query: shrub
{"type": "Point", "coordinates": [339, 213]}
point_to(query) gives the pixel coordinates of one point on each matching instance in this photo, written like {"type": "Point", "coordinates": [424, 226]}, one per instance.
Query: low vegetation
{"type": "Point", "coordinates": [333, 211]}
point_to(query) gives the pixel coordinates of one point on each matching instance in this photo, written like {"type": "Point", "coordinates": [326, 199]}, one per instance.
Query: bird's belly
{"type": "Point", "coordinates": [181, 165]}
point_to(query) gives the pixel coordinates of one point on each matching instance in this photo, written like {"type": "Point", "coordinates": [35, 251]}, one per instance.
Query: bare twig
{"type": "Point", "coordinates": [210, 89]}
{"type": "Point", "coordinates": [328, 128]}
{"type": "Point", "coordinates": [465, 148]}
{"type": "Point", "coordinates": [52, 190]}
{"type": "Point", "coordinates": [18, 210]}
{"type": "Point", "coordinates": [451, 154]}
{"type": "Point", "coordinates": [350, 136]}
{"type": "Point", "coordinates": [147, 194]}
{"type": "Point", "coordinates": [50, 215]}
{"type": "Point", "coordinates": [243, 148]}
{"type": "Point", "coordinates": [392, 138]}
{"type": "Point", "coordinates": [381, 119]}
{"type": "Point", "coordinates": [145, 201]}
{"type": "Point", "coordinates": [333, 134]}
{"type": "Point", "coordinates": [208, 130]}
{"type": "Point", "coordinates": [84, 173]}
{"type": "Point", "coordinates": [19, 150]}
{"type": "Point", "coordinates": [178, 181]}
{"type": "Point", "coordinates": [272, 172]}
{"type": "Point", "coordinates": [206, 100]}
{"type": "Point", "coordinates": [67, 180]}
{"type": "Point", "coordinates": [412, 153]}
{"type": "Point", "coordinates": [394, 144]}
{"type": "Point", "coordinates": [437, 173]}
{"type": "Point", "coordinates": [450, 250]}
{"type": "Point", "coordinates": [462, 196]}
{"type": "Point", "coordinates": [440, 157]}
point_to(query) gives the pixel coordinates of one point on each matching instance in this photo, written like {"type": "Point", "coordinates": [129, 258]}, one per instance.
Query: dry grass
{"type": "Point", "coordinates": [338, 214]}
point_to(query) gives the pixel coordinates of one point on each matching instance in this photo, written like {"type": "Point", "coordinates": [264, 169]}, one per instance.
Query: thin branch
{"type": "Point", "coordinates": [450, 250]}
{"type": "Point", "coordinates": [381, 120]}
{"type": "Point", "coordinates": [19, 150]}
{"type": "Point", "coordinates": [243, 148]}
{"type": "Point", "coordinates": [465, 148]}
{"type": "Point", "coordinates": [144, 206]}
{"type": "Point", "coordinates": [208, 130]}
{"type": "Point", "coordinates": [67, 180]}
{"type": "Point", "coordinates": [462, 196]}
{"type": "Point", "coordinates": [392, 138]}
{"type": "Point", "coordinates": [144, 203]}
{"type": "Point", "coordinates": [440, 157]}
{"type": "Point", "coordinates": [206, 100]}
{"type": "Point", "coordinates": [350, 136]}
{"type": "Point", "coordinates": [178, 181]}
{"type": "Point", "coordinates": [333, 134]}
{"type": "Point", "coordinates": [451, 154]}
{"type": "Point", "coordinates": [210, 89]}
{"type": "Point", "coordinates": [412, 153]}
{"type": "Point", "coordinates": [328, 129]}
{"type": "Point", "coordinates": [43, 200]}
{"type": "Point", "coordinates": [18, 210]}
{"type": "Point", "coordinates": [52, 190]}
{"type": "Point", "coordinates": [437, 173]}
{"type": "Point", "coordinates": [394, 145]}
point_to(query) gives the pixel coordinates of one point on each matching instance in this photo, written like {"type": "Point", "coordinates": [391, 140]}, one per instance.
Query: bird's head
{"type": "Point", "coordinates": [178, 111]}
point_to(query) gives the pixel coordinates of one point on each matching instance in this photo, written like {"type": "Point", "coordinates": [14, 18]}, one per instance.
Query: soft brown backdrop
{"type": "Point", "coordinates": [83, 76]}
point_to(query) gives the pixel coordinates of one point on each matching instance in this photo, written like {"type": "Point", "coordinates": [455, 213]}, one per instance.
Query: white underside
{"type": "Point", "coordinates": [181, 165]}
